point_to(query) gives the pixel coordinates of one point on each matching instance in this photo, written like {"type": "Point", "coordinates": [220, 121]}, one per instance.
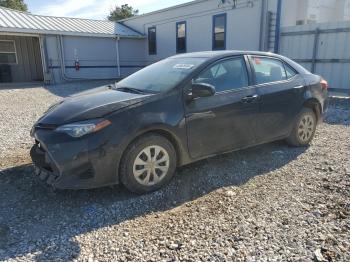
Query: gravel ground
{"type": "Point", "coordinates": [268, 203]}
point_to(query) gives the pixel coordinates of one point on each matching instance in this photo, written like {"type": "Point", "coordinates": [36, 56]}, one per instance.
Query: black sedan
{"type": "Point", "coordinates": [174, 112]}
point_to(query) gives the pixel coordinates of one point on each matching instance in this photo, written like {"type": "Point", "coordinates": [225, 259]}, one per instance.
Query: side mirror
{"type": "Point", "coordinates": [202, 90]}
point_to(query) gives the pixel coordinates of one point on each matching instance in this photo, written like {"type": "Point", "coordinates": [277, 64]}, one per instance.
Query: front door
{"type": "Point", "coordinates": [224, 121]}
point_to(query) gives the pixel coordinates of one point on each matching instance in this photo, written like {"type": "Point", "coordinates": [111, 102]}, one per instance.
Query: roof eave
{"type": "Point", "coordinates": [55, 32]}
{"type": "Point", "coordinates": [193, 2]}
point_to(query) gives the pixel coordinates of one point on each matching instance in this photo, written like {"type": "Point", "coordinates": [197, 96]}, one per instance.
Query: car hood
{"type": "Point", "coordinates": [90, 104]}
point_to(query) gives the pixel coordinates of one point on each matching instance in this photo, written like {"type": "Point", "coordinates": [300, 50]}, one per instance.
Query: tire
{"type": "Point", "coordinates": [304, 128]}
{"type": "Point", "coordinates": [148, 164]}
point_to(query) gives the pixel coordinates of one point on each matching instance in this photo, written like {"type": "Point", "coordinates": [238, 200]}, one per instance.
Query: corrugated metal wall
{"type": "Point", "coordinates": [97, 57]}
{"type": "Point", "coordinates": [322, 48]}
{"type": "Point", "coordinates": [29, 65]}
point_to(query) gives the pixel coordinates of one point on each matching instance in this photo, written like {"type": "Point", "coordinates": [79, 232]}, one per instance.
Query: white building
{"type": "Point", "coordinates": [300, 12]}
{"type": "Point", "coordinates": [207, 25]}
{"type": "Point", "coordinates": [57, 49]}
{"type": "Point", "coordinates": [78, 49]}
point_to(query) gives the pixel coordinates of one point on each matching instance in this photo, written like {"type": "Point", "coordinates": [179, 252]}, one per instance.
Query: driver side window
{"type": "Point", "coordinates": [225, 75]}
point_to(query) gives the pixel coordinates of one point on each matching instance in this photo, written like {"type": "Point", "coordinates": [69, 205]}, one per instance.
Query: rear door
{"type": "Point", "coordinates": [224, 121]}
{"type": "Point", "coordinates": [281, 91]}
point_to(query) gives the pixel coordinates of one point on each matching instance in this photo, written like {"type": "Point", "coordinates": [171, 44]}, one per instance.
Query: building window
{"type": "Point", "coordinates": [219, 32]}
{"type": "Point", "coordinates": [8, 52]}
{"type": "Point", "coordinates": [152, 41]}
{"type": "Point", "coordinates": [181, 37]}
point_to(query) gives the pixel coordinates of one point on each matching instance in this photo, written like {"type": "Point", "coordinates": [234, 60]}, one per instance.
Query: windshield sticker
{"type": "Point", "coordinates": [183, 66]}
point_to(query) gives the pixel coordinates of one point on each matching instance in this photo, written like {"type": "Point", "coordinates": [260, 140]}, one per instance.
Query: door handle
{"type": "Point", "coordinates": [249, 99]}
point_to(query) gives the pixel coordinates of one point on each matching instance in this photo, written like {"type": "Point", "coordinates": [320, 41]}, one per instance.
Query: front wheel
{"type": "Point", "coordinates": [148, 164]}
{"type": "Point", "coordinates": [304, 128]}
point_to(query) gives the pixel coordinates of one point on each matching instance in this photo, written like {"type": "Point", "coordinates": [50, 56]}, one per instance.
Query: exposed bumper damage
{"type": "Point", "coordinates": [72, 164]}
{"type": "Point", "coordinates": [43, 166]}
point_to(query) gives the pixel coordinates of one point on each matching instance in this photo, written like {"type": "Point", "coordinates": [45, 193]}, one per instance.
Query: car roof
{"type": "Point", "coordinates": [213, 54]}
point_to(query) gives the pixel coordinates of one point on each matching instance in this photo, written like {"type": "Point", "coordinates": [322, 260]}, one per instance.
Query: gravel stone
{"type": "Point", "coordinates": [230, 193]}
{"type": "Point", "coordinates": [318, 256]}
{"type": "Point", "coordinates": [268, 203]}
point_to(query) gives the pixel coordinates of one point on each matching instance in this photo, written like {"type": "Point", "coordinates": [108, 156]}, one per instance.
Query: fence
{"type": "Point", "coordinates": [324, 49]}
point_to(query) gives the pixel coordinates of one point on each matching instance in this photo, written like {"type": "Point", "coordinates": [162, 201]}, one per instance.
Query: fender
{"type": "Point", "coordinates": [314, 92]}
{"type": "Point", "coordinates": [177, 136]}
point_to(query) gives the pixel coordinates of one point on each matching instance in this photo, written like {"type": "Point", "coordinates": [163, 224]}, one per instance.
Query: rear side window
{"type": "Point", "coordinates": [289, 71]}
{"type": "Point", "coordinates": [268, 70]}
{"type": "Point", "coordinates": [225, 75]}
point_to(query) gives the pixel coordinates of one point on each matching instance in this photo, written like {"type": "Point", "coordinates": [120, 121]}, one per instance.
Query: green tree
{"type": "Point", "coordinates": [121, 12]}
{"type": "Point", "coordinates": [14, 4]}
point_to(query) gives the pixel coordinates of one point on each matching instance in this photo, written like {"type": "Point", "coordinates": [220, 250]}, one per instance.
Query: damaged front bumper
{"type": "Point", "coordinates": [68, 163]}
{"type": "Point", "coordinates": [42, 165]}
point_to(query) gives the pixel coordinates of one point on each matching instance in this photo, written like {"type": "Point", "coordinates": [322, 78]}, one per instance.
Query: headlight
{"type": "Point", "coordinates": [82, 128]}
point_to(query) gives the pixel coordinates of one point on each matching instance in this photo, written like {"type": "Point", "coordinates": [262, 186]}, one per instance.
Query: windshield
{"type": "Point", "coordinates": [161, 76]}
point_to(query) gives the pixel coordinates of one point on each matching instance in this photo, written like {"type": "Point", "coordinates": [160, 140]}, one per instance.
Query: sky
{"type": "Point", "coordinates": [94, 9]}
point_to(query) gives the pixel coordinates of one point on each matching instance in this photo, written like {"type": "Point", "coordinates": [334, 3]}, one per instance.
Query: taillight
{"type": "Point", "coordinates": [324, 84]}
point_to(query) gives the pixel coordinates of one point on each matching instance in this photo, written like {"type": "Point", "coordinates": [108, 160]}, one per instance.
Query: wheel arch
{"type": "Point", "coordinates": [315, 106]}
{"type": "Point", "coordinates": [169, 136]}
{"type": "Point", "coordinates": [181, 152]}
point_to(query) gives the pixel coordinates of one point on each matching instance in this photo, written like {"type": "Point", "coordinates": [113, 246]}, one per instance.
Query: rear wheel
{"type": "Point", "coordinates": [148, 164]}
{"type": "Point", "coordinates": [304, 128]}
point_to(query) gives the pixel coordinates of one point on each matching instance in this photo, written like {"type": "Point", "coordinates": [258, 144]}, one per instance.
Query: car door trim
{"type": "Point", "coordinates": [235, 90]}
{"type": "Point", "coordinates": [276, 82]}
{"type": "Point", "coordinates": [298, 87]}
